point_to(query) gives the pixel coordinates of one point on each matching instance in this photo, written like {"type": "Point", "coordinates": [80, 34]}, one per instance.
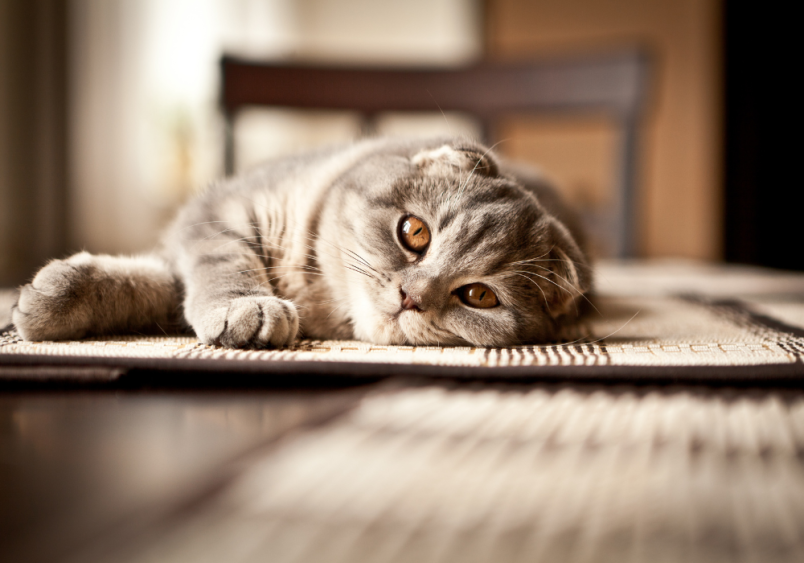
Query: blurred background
{"type": "Point", "coordinates": [110, 117]}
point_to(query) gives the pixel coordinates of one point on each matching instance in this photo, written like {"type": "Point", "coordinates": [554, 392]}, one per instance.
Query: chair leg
{"type": "Point", "coordinates": [229, 144]}
{"type": "Point", "coordinates": [625, 212]}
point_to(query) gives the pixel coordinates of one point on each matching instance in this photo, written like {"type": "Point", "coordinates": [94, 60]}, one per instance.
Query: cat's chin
{"type": "Point", "coordinates": [419, 331]}
{"type": "Point", "coordinates": [403, 328]}
{"type": "Point", "coordinates": [379, 329]}
{"type": "Point", "coordinates": [413, 327]}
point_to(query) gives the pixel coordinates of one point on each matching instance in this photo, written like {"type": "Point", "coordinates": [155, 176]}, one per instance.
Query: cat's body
{"type": "Point", "coordinates": [389, 241]}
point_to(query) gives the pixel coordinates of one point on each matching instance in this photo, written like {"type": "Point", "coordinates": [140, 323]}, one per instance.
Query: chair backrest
{"type": "Point", "coordinates": [614, 84]}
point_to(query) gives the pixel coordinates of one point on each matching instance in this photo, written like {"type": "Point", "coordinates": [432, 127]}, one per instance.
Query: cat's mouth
{"type": "Point", "coordinates": [413, 325]}
{"type": "Point", "coordinates": [408, 304]}
{"type": "Point", "coordinates": [411, 312]}
{"type": "Point", "coordinates": [407, 322]}
{"type": "Point", "coordinates": [417, 329]}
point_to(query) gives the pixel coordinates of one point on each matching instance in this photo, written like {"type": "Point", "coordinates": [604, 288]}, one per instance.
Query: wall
{"type": "Point", "coordinates": [144, 124]}
{"type": "Point", "coordinates": [144, 129]}
{"type": "Point", "coordinates": [32, 131]}
{"type": "Point", "coordinates": [680, 178]}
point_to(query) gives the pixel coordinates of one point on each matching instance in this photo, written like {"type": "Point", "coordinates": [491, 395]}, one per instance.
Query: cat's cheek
{"type": "Point", "coordinates": [378, 329]}
{"type": "Point", "coordinates": [369, 322]}
{"type": "Point", "coordinates": [483, 328]}
{"type": "Point", "coordinates": [410, 325]}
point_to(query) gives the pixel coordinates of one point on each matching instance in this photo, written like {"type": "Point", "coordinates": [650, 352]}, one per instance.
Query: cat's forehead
{"type": "Point", "coordinates": [463, 191]}
{"type": "Point", "coordinates": [485, 224]}
{"type": "Point", "coordinates": [473, 204]}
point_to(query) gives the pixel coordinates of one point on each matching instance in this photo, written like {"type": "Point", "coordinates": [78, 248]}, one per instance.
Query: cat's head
{"type": "Point", "coordinates": [441, 248]}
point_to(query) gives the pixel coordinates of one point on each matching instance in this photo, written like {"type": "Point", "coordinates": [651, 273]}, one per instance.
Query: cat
{"type": "Point", "coordinates": [390, 241]}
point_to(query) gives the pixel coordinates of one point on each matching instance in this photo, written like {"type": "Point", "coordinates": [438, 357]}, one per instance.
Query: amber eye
{"type": "Point", "coordinates": [478, 296]}
{"type": "Point", "coordinates": [414, 234]}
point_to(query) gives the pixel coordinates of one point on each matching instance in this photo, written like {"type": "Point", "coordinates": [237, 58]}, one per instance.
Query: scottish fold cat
{"type": "Point", "coordinates": [390, 241]}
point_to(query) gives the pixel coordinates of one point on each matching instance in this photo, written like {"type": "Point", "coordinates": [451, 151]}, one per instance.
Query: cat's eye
{"type": "Point", "coordinates": [478, 296]}
{"type": "Point", "coordinates": [414, 234]}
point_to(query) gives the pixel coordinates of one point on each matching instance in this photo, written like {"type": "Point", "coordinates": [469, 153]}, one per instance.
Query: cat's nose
{"type": "Point", "coordinates": [423, 293]}
{"type": "Point", "coordinates": [408, 302]}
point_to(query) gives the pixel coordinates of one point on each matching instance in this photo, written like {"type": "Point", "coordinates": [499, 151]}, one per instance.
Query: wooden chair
{"type": "Point", "coordinates": [614, 84]}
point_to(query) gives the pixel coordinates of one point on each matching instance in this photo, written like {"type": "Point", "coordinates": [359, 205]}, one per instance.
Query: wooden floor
{"type": "Point", "coordinates": [83, 469]}
{"type": "Point", "coordinates": [403, 471]}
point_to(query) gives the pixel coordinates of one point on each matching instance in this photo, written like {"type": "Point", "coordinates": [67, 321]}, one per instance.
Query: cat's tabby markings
{"type": "Point", "coordinates": [426, 242]}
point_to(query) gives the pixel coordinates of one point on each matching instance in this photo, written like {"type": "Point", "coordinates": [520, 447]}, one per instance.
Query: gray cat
{"type": "Point", "coordinates": [389, 241]}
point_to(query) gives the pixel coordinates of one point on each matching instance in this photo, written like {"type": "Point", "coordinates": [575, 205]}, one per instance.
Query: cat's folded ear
{"type": "Point", "coordinates": [447, 159]}
{"type": "Point", "coordinates": [571, 275]}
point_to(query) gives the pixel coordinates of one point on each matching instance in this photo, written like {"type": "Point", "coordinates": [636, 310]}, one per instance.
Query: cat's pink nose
{"type": "Point", "coordinates": [409, 303]}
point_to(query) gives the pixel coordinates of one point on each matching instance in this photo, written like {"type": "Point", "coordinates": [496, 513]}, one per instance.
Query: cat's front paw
{"type": "Point", "coordinates": [54, 306]}
{"type": "Point", "coordinates": [249, 322]}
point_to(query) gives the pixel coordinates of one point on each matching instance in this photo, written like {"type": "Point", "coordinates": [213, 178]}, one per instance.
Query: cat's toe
{"type": "Point", "coordinates": [280, 323]}
{"type": "Point", "coordinates": [43, 315]}
{"type": "Point", "coordinates": [54, 306]}
{"type": "Point", "coordinates": [257, 322]}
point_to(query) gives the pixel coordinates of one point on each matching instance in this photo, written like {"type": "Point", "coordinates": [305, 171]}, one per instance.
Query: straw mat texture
{"type": "Point", "coordinates": [661, 320]}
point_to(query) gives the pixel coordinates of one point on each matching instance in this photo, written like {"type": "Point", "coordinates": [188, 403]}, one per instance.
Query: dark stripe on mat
{"type": "Point", "coordinates": [223, 373]}
{"type": "Point", "coordinates": [744, 310]}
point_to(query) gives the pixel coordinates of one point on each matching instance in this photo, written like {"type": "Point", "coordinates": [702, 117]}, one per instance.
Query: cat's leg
{"type": "Point", "coordinates": [229, 299]}
{"type": "Point", "coordinates": [97, 294]}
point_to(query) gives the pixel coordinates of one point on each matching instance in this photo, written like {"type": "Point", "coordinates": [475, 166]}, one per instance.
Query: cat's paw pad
{"type": "Point", "coordinates": [55, 305]}
{"type": "Point", "coordinates": [253, 322]}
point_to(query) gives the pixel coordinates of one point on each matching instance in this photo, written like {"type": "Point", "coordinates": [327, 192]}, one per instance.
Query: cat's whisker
{"type": "Point", "coordinates": [278, 277]}
{"type": "Point", "coordinates": [192, 225]}
{"type": "Point", "coordinates": [443, 331]}
{"type": "Point", "coordinates": [347, 250]}
{"type": "Point", "coordinates": [266, 269]}
{"type": "Point", "coordinates": [306, 267]}
{"type": "Point", "coordinates": [534, 260]}
{"type": "Point", "coordinates": [266, 256]}
{"type": "Point", "coordinates": [269, 245]}
{"type": "Point", "coordinates": [547, 305]}
{"type": "Point", "coordinates": [335, 309]}
{"type": "Point", "coordinates": [328, 301]}
{"type": "Point", "coordinates": [611, 333]}
{"type": "Point", "coordinates": [479, 160]}
{"type": "Point", "coordinates": [228, 241]}
{"type": "Point", "coordinates": [529, 262]}
{"type": "Point", "coordinates": [211, 235]}
{"type": "Point", "coordinates": [359, 271]}
{"type": "Point", "coordinates": [350, 267]}
{"type": "Point", "coordinates": [444, 115]}
{"type": "Point", "coordinates": [570, 284]}
{"type": "Point", "coordinates": [580, 294]}
{"type": "Point", "coordinates": [362, 260]}
{"type": "Point", "coordinates": [355, 267]}
{"type": "Point", "coordinates": [564, 289]}
{"type": "Point", "coordinates": [263, 256]}
{"type": "Point", "coordinates": [342, 249]}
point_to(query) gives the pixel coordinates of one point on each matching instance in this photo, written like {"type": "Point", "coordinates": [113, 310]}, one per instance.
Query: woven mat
{"type": "Point", "coordinates": [653, 321]}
